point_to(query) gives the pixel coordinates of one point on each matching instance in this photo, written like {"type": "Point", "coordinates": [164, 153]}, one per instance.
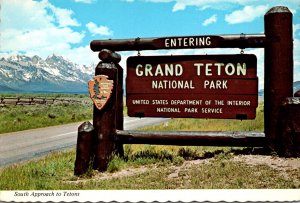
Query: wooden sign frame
{"type": "Point", "coordinates": [277, 42]}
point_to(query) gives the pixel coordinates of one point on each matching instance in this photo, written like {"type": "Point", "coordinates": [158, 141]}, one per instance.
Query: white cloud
{"type": "Point", "coordinates": [85, 1]}
{"type": "Point", "coordinates": [212, 19]}
{"type": "Point", "coordinates": [82, 55]}
{"type": "Point", "coordinates": [100, 30]}
{"type": "Point", "coordinates": [247, 14]}
{"type": "Point", "coordinates": [205, 4]}
{"type": "Point", "coordinates": [296, 28]}
{"type": "Point", "coordinates": [63, 16]}
{"type": "Point", "coordinates": [38, 39]}
{"type": "Point", "coordinates": [228, 4]}
{"type": "Point", "coordinates": [19, 15]}
{"type": "Point", "coordinates": [152, 1]}
{"type": "Point", "coordinates": [179, 7]}
{"type": "Point", "coordinates": [43, 32]}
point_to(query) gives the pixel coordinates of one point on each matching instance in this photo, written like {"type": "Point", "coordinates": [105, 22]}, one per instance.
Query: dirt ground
{"type": "Point", "coordinates": [278, 163]}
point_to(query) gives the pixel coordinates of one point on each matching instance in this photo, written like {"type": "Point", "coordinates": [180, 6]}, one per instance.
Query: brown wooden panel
{"type": "Point", "coordinates": [154, 82]}
{"type": "Point", "coordinates": [214, 74]}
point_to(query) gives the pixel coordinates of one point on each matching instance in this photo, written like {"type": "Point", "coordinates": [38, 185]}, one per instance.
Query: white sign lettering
{"type": "Point", "coordinates": [187, 42]}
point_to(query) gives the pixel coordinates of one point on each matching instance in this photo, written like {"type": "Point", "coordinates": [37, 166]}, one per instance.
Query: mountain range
{"type": "Point", "coordinates": [21, 73]}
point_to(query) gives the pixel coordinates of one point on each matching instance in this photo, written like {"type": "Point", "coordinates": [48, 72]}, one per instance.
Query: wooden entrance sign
{"type": "Point", "coordinates": [205, 86]}
{"type": "Point", "coordinates": [192, 86]}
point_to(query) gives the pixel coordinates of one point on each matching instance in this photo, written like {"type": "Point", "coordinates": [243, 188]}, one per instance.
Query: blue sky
{"type": "Point", "coordinates": [66, 27]}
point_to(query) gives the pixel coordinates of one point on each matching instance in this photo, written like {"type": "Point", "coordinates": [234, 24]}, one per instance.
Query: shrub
{"type": "Point", "coordinates": [187, 153]}
{"type": "Point", "coordinates": [115, 165]}
{"type": "Point", "coordinates": [51, 115]}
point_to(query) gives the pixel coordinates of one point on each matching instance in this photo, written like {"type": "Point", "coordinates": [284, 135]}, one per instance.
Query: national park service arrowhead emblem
{"type": "Point", "coordinates": [100, 90]}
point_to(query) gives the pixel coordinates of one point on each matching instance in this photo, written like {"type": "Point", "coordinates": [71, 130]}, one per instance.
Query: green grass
{"type": "Point", "coordinates": [42, 174]}
{"type": "Point", "coordinates": [159, 164]}
{"type": "Point", "coordinates": [17, 118]}
{"type": "Point", "coordinates": [43, 95]}
{"type": "Point", "coordinates": [55, 172]}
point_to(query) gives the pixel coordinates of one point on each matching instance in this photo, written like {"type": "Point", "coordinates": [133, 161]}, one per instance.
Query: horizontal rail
{"type": "Point", "coordinates": [183, 138]}
{"type": "Point", "coordinates": [181, 42]}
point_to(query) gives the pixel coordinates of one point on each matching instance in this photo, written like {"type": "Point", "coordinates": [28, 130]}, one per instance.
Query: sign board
{"type": "Point", "coordinates": [192, 86]}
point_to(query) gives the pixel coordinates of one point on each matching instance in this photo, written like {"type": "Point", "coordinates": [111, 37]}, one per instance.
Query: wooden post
{"type": "Point", "coordinates": [278, 69]}
{"type": "Point", "coordinates": [120, 105]}
{"type": "Point", "coordinates": [290, 127]}
{"type": "Point", "coordinates": [111, 57]}
{"type": "Point", "coordinates": [104, 120]}
{"type": "Point", "coordinates": [108, 56]}
{"type": "Point", "coordinates": [84, 148]}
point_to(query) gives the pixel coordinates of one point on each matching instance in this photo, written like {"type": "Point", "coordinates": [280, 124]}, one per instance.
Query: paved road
{"type": "Point", "coordinates": [24, 145]}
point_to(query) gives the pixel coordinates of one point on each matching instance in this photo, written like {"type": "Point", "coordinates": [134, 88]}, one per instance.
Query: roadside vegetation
{"type": "Point", "coordinates": [153, 167]}
{"type": "Point", "coordinates": [164, 167]}
{"type": "Point", "coordinates": [22, 117]}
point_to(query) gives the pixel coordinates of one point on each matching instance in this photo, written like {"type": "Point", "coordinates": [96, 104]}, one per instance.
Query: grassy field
{"type": "Point", "coordinates": [151, 168]}
{"type": "Point", "coordinates": [164, 167]}
{"type": "Point", "coordinates": [17, 118]}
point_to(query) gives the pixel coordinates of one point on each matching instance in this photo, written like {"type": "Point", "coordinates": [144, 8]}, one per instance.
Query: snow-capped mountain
{"type": "Point", "coordinates": [34, 74]}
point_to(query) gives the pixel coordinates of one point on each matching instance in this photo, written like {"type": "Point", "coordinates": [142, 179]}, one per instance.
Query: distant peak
{"type": "Point", "coordinates": [18, 58]}
{"type": "Point", "coordinates": [37, 57]}
{"type": "Point", "coordinates": [55, 57]}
